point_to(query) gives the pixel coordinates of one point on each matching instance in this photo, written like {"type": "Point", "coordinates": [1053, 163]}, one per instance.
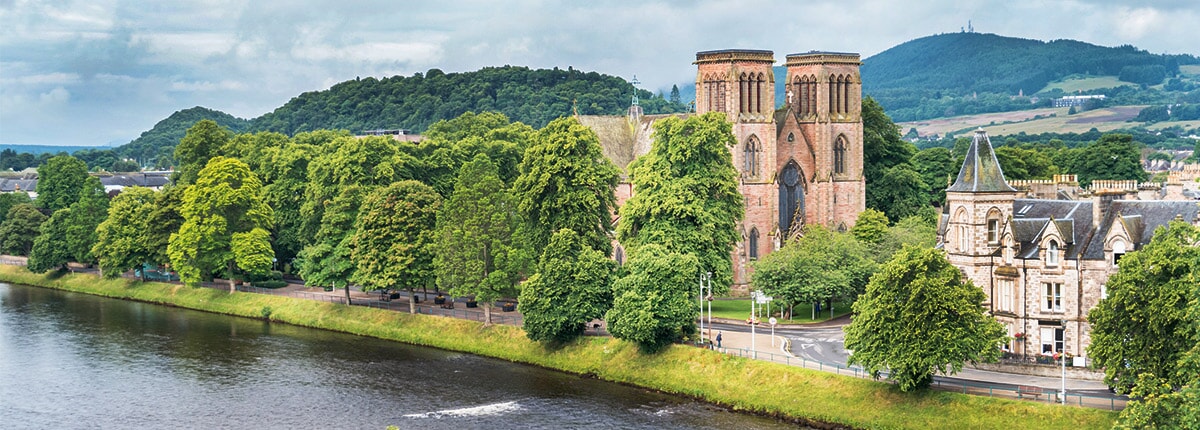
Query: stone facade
{"type": "Point", "coordinates": [1043, 262]}
{"type": "Point", "coordinates": [798, 164]}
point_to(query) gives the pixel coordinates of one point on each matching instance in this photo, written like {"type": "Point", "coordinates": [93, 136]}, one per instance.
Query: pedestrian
{"type": "Point", "coordinates": [718, 339]}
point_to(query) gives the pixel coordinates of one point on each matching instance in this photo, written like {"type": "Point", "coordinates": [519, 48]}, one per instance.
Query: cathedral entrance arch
{"type": "Point", "coordinates": [791, 199]}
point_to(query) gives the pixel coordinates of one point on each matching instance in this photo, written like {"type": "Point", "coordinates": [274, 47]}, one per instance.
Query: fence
{"type": "Point", "coordinates": [961, 386]}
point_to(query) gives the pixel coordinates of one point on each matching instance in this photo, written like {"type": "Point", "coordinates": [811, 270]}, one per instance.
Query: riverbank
{"type": "Point", "coordinates": [739, 383]}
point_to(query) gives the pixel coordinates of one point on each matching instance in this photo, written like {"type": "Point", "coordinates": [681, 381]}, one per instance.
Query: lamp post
{"type": "Point", "coordinates": [710, 299]}
{"type": "Point", "coordinates": [1063, 355]}
{"type": "Point", "coordinates": [700, 302]}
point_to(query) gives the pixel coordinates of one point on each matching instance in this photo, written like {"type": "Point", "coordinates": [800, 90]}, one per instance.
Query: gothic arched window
{"type": "Point", "coordinates": [751, 157]}
{"type": "Point", "coordinates": [791, 198]}
{"type": "Point", "coordinates": [753, 244]}
{"type": "Point", "coordinates": [833, 90]}
{"type": "Point", "coordinates": [839, 155]}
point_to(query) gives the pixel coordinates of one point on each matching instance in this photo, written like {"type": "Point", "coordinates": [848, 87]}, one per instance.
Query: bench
{"type": "Point", "coordinates": [1031, 390]}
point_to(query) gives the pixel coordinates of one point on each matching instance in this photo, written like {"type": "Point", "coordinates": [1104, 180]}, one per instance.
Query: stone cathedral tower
{"type": "Point", "coordinates": [799, 164]}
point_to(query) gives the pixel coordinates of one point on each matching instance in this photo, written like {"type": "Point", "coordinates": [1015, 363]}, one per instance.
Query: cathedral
{"type": "Point", "coordinates": [799, 163]}
{"type": "Point", "coordinates": [1043, 251]}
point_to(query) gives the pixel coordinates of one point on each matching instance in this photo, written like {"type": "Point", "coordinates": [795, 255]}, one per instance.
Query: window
{"type": "Point", "coordinates": [1052, 340]}
{"type": "Point", "coordinates": [791, 137]}
{"type": "Point", "coordinates": [753, 244]}
{"type": "Point", "coordinates": [1008, 251]}
{"type": "Point", "coordinates": [839, 155]}
{"type": "Point", "coordinates": [993, 231]}
{"type": "Point", "coordinates": [1008, 342]}
{"type": "Point", "coordinates": [1006, 301]}
{"type": "Point", "coordinates": [1052, 299]}
{"type": "Point", "coordinates": [1052, 254]}
{"type": "Point", "coordinates": [751, 154]}
{"type": "Point", "coordinates": [1118, 251]}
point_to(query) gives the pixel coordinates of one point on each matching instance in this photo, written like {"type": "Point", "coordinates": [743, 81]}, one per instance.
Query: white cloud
{"type": "Point", "coordinates": [58, 95]}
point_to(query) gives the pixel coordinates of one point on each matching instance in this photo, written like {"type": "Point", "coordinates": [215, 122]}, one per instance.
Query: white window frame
{"type": "Point", "coordinates": [1008, 251]}
{"type": "Point", "coordinates": [1006, 303]}
{"type": "Point", "coordinates": [1052, 253]}
{"type": "Point", "coordinates": [1052, 338]}
{"type": "Point", "coordinates": [993, 231]}
{"type": "Point", "coordinates": [1118, 252]}
{"type": "Point", "coordinates": [1052, 296]}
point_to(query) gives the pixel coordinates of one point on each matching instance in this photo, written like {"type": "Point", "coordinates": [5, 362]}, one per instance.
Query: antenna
{"type": "Point", "coordinates": [635, 83]}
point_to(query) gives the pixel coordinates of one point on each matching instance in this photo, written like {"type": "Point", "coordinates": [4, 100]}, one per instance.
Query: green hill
{"type": "Point", "coordinates": [156, 146]}
{"type": "Point", "coordinates": [930, 77]}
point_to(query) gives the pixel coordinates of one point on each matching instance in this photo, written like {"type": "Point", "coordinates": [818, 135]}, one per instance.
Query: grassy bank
{"type": "Point", "coordinates": [739, 309]}
{"type": "Point", "coordinates": [739, 383]}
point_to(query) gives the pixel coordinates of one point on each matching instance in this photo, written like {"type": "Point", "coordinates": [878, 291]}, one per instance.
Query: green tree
{"type": "Point", "coordinates": [475, 249]}
{"type": "Point", "coordinates": [48, 252]}
{"type": "Point", "coordinates": [225, 225]}
{"type": "Point", "coordinates": [572, 286]}
{"type": "Point", "coordinates": [164, 221]}
{"type": "Point", "coordinates": [820, 265]}
{"type": "Point", "coordinates": [86, 214]}
{"type": "Point", "coordinates": [1142, 328]}
{"type": "Point", "coordinates": [121, 243]}
{"type": "Point", "coordinates": [1114, 156]}
{"type": "Point", "coordinates": [675, 95]}
{"type": "Point", "coordinates": [652, 304]}
{"type": "Point", "coordinates": [202, 142]}
{"type": "Point", "coordinates": [919, 316]}
{"type": "Point", "coordinates": [871, 227]}
{"type": "Point", "coordinates": [392, 245]}
{"type": "Point", "coordinates": [326, 261]}
{"type": "Point", "coordinates": [936, 165]}
{"type": "Point", "coordinates": [686, 194]}
{"type": "Point", "coordinates": [901, 192]}
{"type": "Point", "coordinates": [918, 230]}
{"type": "Point", "coordinates": [8, 200]}
{"type": "Point", "coordinates": [566, 182]}
{"type": "Point", "coordinates": [882, 149]}
{"type": "Point", "coordinates": [59, 182]}
{"type": "Point", "coordinates": [21, 225]}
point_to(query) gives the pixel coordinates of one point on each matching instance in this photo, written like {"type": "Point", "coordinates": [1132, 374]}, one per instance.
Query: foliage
{"type": "Point", "coordinates": [343, 161]}
{"type": "Point", "coordinates": [573, 286]}
{"type": "Point", "coordinates": [59, 182]}
{"type": "Point", "coordinates": [1142, 328]}
{"type": "Point", "coordinates": [819, 265]}
{"type": "Point", "coordinates": [326, 260]}
{"type": "Point", "coordinates": [1113, 156]}
{"type": "Point", "coordinates": [225, 224]}
{"type": "Point", "coordinates": [883, 149]}
{"type": "Point", "coordinates": [121, 242]}
{"type": "Point", "coordinates": [475, 254]}
{"type": "Point", "coordinates": [165, 220]}
{"type": "Point", "coordinates": [156, 146]}
{"type": "Point", "coordinates": [652, 304]}
{"type": "Point", "coordinates": [529, 96]}
{"type": "Point", "coordinates": [919, 316]}
{"type": "Point", "coordinates": [8, 200]}
{"type": "Point", "coordinates": [871, 226]}
{"type": "Point", "coordinates": [48, 252]}
{"type": "Point", "coordinates": [450, 143]}
{"type": "Point", "coordinates": [919, 230]}
{"type": "Point", "coordinates": [391, 246]}
{"type": "Point", "coordinates": [21, 225]}
{"type": "Point", "coordinates": [1021, 163]}
{"type": "Point", "coordinates": [203, 141]}
{"type": "Point", "coordinates": [565, 182]}
{"type": "Point", "coordinates": [686, 195]}
{"type": "Point", "coordinates": [937, 166]}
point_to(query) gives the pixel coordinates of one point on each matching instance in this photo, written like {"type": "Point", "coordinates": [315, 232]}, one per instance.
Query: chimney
{"type": "Point", "coordinates": [1102, 201]}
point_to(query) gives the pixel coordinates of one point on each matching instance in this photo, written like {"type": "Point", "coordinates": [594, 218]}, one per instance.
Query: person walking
{"type": "Point", "coordinates": [718, 339]}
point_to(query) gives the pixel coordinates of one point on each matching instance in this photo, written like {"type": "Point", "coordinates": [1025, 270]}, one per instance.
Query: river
{"type": "Point", "coordinates": [73, 361]}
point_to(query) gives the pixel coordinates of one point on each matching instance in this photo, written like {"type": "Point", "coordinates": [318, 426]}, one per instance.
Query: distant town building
{"type": "Point", "coordinates": [1076, 100]}
{"type": "Point", "coordinates": [1043, 251]}
{"type": "Point", "coordinates": [403, 135]}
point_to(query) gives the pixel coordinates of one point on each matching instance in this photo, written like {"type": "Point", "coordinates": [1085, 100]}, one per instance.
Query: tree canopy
{"type": "Point", "coordinates": [21, 225]}
{"type": "Point", "coordinates": [652, 303]}
{"type": "Point", "coordinates": [819, 265]}
{"type": "Point", "coordinates": [59, 182]}
{"type": "Point", "coordinates": [919, 316]}
{"type": "Point", "coordinates": [572, 286]}
{"type": "Point", "coordinates": [393, 237]}
{"type": "Point", "coordinates": [121, 242]}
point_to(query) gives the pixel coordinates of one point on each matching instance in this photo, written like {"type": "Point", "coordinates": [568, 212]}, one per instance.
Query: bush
{"type": "Point", "coordinates": [274, 283]}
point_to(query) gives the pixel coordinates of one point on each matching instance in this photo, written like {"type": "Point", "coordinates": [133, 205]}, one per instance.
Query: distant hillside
{"type": "Point", "coordinates": [157, 145]}
{"type": "Point", "coordinates": [40, 149]}
{"type": "Point", "coordinates": [533, 97]}
{"type": "Point", "coordinates": [921, 78]}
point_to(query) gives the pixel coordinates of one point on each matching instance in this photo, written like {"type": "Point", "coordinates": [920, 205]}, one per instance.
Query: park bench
{"type": "Point", "coordinates": [1031, 390]}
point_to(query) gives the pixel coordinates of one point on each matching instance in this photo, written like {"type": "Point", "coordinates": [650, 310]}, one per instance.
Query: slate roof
{"type": "Point", "coordinates": [9, 185]}
{"type": "Point", "coordinates": [980, 172]}
{"type": "Point", "coordinates": [1141, 218]}
{"type": "Point", "coordinates": [1032, 218]}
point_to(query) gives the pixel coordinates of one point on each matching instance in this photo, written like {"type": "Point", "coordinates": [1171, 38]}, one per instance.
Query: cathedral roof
{"type": "Point", "coordinates": [1140, 218]}
{"type": "Point", "coordinates": [980, 171]}
{"type": "Point", "coordinates": [620, 140]}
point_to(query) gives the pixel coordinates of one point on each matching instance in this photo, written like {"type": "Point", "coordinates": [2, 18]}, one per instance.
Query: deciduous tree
{"type": "Point", "coordinates": [225, 224]}
{"type": "Point", "coordinates": [818, 266]}
{"type": "Point", "coordinates": [59, 182]}
{"type": "Point", "coordinates": [21, 226]}
{"type": "Point", "coordinates": [652, 304]}
{"type": "Point", "coordinates": [686, 195]}
{"type": "Point", "coordinates": [1142, 328]}
{"type": "Point", "coordinates": [202, 142]}
{"type": "Point", "coordinates": [121, 243]}
{"type": "Point", "coordinates": [49, 251]}
{"type": "Point", "coordinates": [573, 286]}
{"type": "Point", "coordinates": [86, 214]}
{"type": "Point", "coordinates": [919, 316]}
{"type": "Point", "coordinates": [393, 237]}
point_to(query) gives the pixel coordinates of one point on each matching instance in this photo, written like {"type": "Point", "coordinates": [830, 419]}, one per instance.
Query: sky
{"type": "Point", "coordinates": [98, 72]}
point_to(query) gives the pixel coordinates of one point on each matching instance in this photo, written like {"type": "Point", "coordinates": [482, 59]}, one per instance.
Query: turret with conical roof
{"type": "Point", "coordinates": [980, 171]}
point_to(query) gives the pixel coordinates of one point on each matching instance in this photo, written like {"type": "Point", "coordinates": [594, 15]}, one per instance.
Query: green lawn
{"type": "Point", "coordinates": [1070, 86]}
{"type": "Point", "coordinates": [739, 309]}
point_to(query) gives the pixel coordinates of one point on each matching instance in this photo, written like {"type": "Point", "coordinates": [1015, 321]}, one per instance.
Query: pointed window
{"type": "Point", "coordinates": [753, 245]}
{"type": "Point", "coordinates": [1052, 254]}
{"type": "Point", "coordinates": [751, 157]}
{"type": "Point", "coordinates": [839, 156]}
{"type": "Point", "coordinates": [791, 198]}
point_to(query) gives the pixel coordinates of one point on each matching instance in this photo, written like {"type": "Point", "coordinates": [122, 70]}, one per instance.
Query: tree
{"type": "Point", "coordinates": [686, 194]}
{"type": "Point", "coordinates": [8, 200]}
{"type": "Point", "coordinates": [475, 249]}
{"type": "Point", "coordinates": [326, 261]}
{"type": "Point", "coordinates": [21, 225]}
{"type": "Point", "coordinates": [919, 230]}
{"type": "Point", "coordinates": [48, 250]}
{"type": "Point", "coordinates": [124, 166]}
{"type": "Point", "coordinates": [900, 192]}
{"type": "Point", "coordinates": [59, 181]}
{"type": "Point", "coordinates": [936, 166]}
{"type": "Point", "coordinates": [882, 149]}
{"type": "Point", "coordinates": [820, 265]}
{"type": "Point", "coordinates": [121, 243]}
{"type": "Point", "coordinates": [572, 286]}
{"type": "Point", "coordinates": [919, 316]}
{"type": "Point", "coordinates": [164, 221]}
{"type": "Point", "coordinates": [1113, 156]}
{"type": "Point", "coordinates": [225, 225]}
{"type": "Point", "coordinates": [1142, 328]}
{"type": "Point", "coordinates": [871, 227]}
{"type": "Point", "coordinates": [86, 214]}
{"type": "Point", "coordinates": [566, 182]}
{"type": "Point", "coordinates": [203, 141]}
{"type": "Point", "coordinates": [393, 237]}
{"type": "Point", "coordinates": [652, 304]}
{"type": "Point", "coordinates": [675, 95]}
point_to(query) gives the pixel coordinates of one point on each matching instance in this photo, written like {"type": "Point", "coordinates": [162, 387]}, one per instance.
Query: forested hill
{"type": "Point", "coordinates": [156, 146]}
{"type": "Point", "coordinates": [533, 97]}
{"type": "Point", "coordinates": [961, 64]}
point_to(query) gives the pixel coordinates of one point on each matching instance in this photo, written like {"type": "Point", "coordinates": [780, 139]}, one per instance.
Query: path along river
{"type": "Point", "coordinates": [74, 361]}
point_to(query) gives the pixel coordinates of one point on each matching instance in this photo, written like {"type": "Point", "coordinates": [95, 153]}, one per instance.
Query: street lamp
{"type": "Point", "coordinates": [706, 276]}
{"type": "Point", "coordinates": [1063, 355]}
{"type": "Point", "coordinates": [710, 299]}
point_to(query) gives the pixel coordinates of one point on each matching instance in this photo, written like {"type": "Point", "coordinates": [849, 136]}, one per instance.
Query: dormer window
{"type": "Point", "coordinates": [1052, 254]}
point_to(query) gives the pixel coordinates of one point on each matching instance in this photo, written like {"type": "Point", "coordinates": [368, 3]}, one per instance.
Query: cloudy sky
{"type": "Point", "coordinates": [97, 72]}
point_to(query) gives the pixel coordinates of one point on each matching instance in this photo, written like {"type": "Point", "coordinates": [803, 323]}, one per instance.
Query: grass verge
{"type": "Point", "coordinates": [739, 309]}
{"type": "Point", "coordinates": [739, 383]}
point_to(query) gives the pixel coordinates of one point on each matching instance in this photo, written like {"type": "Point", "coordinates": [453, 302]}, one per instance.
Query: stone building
{"type": "Point", "coordinates": [1043, 263]}
{"type": "Point", "coordinates": [801, 163]}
